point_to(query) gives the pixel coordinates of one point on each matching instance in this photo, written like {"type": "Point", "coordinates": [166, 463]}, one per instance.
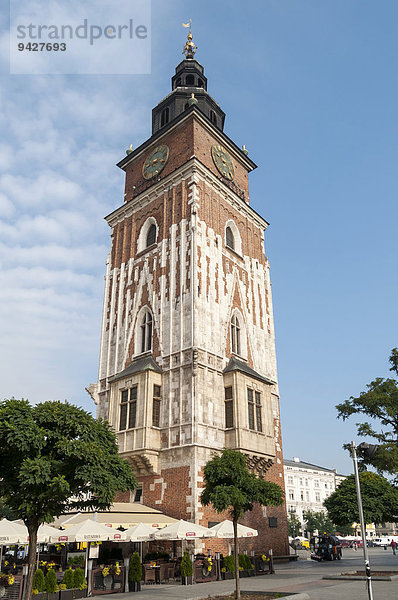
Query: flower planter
{"type": "Point", "coordinates": [251, 573]}
{"type": "Point", "coordinates": [134, 586]}
{"type": "Point", "coordinates": [186, 580]}
{"type": "Point", "coordinates": [79, 593]}
{"type": "Point", "coordinates": [65, 595]}
{"type": "Point", "coordinates": [228, 575]}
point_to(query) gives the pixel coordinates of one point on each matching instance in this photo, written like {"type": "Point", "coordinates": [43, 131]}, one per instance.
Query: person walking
{"type": "Point", "coordinates": [393, 546]}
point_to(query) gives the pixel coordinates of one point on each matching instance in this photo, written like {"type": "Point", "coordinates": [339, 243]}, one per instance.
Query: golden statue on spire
{"type": "Point", "coordinates": [190, 46]}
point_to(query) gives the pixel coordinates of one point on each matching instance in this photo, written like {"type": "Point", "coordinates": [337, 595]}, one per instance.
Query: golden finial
{"type": "Point", "coordinates": [190, 47]}
{"type": "Point", "coordinates": [129, 150]}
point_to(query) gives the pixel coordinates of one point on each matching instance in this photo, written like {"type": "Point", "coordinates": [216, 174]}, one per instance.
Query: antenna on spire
{"type": "Point", "coordinates": [190, 47]}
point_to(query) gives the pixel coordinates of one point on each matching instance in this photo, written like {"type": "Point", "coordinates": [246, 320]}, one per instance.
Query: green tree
{"type": "Point", "coordinates": [50, 582]}
{"type": "Point", "coordinates": [68, 579]}
{"type": "Point", "coordinates": [55, 457]}
{"type": "Point", "coordinates": [135, 568]}
{"type": "Point", "coordinates": [318, 521]}
{"type": "Point", "coordinates": [379, 499]}
{"type": "Point", "coordinates": [6, 512]}
{"type": "Point", "coordinates": [229, 485]}
{"type": "Point", "coordinates": [38, 581]}
{"type": "Point", "coordinates": [380, 404]}
{"type": "Point", "coordinates": [294, 525]}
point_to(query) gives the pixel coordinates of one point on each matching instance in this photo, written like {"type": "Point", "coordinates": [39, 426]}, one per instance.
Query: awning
{"type": "Point", "coordinates": [121, 514]}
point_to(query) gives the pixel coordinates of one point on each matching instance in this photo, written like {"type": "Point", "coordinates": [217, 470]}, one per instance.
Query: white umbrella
{"type": "Point", "coordinates": [139, 533]}
{"type": "Point", "coordinates": [12, 533]}
{"type": "Point", "coordinates": [225, 529]}
{"type": "Point", "coordinates": [182, 530]}
{"type": "Point", "coordinates": [45, 532]}
{"type": "Point", "coordinates": [88, 531]}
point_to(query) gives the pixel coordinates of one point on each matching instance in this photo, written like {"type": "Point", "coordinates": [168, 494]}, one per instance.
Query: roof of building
{"type": "Point", "coordinates": [238, 365]}
{"type": "Point", "coordinates": [304, 465]}
{"type": "Point", "coordinates": [146, 363]}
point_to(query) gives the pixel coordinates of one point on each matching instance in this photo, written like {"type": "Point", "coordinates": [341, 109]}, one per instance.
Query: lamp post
{"type": "Point", "coordinates": [361, 519]}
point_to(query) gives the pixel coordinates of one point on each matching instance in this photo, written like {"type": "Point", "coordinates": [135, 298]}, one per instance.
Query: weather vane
{"type": "Point", "coordinates": [190, 47]}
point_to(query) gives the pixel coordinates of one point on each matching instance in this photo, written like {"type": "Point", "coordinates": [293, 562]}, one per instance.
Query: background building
{"type": "Point", "coordinates": [307, 486]}
{"type": "Point", "coordinates": [187, 360]}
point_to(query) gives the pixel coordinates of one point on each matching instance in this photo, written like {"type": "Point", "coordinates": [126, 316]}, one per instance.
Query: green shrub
{"type": "Point", "coordinates": [68, 579]}
{"type": "Point", "coordinates": [79, 580]}
{"type": "Point", "coordinates": [229, 563]}
{"type": "Point", "coordinates": [50, 582]}
{"type": "Point", "coordinates": [245, 562]}
{"type": "Point", "coordinates": [186, 565]}
{"type": "Point", "coordinates": [38, 581]}
{"type": "Point", "coordinates": [135, 568]}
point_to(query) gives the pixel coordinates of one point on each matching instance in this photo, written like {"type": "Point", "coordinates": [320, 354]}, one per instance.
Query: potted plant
{"type": "Point", "coordinates": [66, 587]}
{"type": "Point", "coordinates": [135, 573]}
{"type": "Point", "coordinates": [186, 568]}
{"type": "Point", "coordinates": [50, 585]}
{"type": "Point", "coordinates": [79, 584]}
{"type": "Point", "coordinates": [5, 581]}
{"type": "Point", "coordinates": [228, 569]}
{"type": "Point", "coordinates": [246, 568]}
{"type": "Point", "coordinates": [38, 584]}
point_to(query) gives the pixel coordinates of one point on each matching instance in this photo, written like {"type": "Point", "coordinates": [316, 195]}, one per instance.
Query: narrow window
{"type": "Point", "coordinates": [250, 406]}
{"type": "Point", "coordinates": [138, 494]}
{"type": "Point", "coordinates": [133, 407]}
{"type": "Point", "coordinates": [235, 335]}
{"type": "Point", "coordinates": [200, 83]}
{"type": "Point", "coordinates": [151, 235]}
{"type": "Point", "coordinates": [229, 408]}
{"type": "Point", "coordinates": [258, 412]}
{"type": "Point", "coordinates": [178, 82]}
{"type": "Point", "coordinates": [189, 80]}
{"type": "Point", "coordinates": [164, 117]}
{"type": "Point", "coordinates": [146, 332]}
{"type": "Point", "coordinates": [156, 406]}
{"type": "Point", "coordinates": [123, 410]}
{"type": "Point", "coordinates": [229, 238]}
{"type": "Point", "coordinates": [213, 117]}
{"type": "Point", "coordinates": [291, 495]}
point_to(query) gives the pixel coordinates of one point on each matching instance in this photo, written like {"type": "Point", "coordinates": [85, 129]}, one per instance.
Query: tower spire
{"type": "Point", "coordinates": [190, 46]}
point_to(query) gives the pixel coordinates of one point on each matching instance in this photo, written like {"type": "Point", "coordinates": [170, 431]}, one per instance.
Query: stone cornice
{"type": "Point", "coordinates": [192, 167]}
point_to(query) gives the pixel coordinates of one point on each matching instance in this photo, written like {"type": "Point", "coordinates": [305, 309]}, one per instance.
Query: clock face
{"type": "Point", "coordinates": [223, 161]}
{"type": "Point", "coordinates": [155, 162]}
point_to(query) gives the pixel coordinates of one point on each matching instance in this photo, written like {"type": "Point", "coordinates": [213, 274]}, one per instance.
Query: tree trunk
{"type": "Point", "coordinates": [236, 550]}
{"type": "Point", "coordinates": [32, 529]}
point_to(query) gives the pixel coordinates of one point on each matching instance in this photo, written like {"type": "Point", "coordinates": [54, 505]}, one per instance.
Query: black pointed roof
{"type": "Point", "coordinates": [238, 365]}
{"type": "Point", "coordinates": [145, 363]}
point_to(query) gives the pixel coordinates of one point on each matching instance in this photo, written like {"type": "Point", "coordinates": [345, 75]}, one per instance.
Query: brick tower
{"type": "Point", "coordinates": [187, 360]}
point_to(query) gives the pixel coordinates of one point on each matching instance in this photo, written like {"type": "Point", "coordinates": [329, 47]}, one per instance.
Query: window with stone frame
{"type": "Point", "coordinates": [235, 335]}
{"type": "Point", "coordinates": [151, 235]}
{"type": "Point", "coordinates": [146, 331]}
{"type": "Point", "coordinates": [229, 408]}
{"type": "Point", "coordinates": [156, 406]}
{"type": "Point", "coordinates": [229, 238]}
{"type": "Point", "coordinates": [250, 408]}
{"type": "Point", "coordinates": [259, 422]}
{"type": "Point", "coordinates": [128, 408]}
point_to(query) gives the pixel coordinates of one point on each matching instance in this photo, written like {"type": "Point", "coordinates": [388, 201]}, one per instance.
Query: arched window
{"type": "Point", "coordinates": [189, 80]}
{"type": "Point", "coordinates": [213, 117]}
{"type": "Point", "coordinates": [164, 117]}
{"type": "Point", "coordinates": [178, 82]}
{"type": "Point", "coordinates": [200, 83]}
{"type": "Point", "coordinates": [229, 238]}
{"type": "Point", "coordinates": [235, 335]}
{"type": "Point", "coordinates": [151, 235]}
{"type": "Point", "coordinates": [146, 331]}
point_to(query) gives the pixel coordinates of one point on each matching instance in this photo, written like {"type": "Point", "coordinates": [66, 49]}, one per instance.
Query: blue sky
{"type": "Point", "coordinates": [311, 89]}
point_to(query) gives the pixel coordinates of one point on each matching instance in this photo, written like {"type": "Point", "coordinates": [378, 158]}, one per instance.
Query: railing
{"type": "Point", "coordinates": [111, 584]}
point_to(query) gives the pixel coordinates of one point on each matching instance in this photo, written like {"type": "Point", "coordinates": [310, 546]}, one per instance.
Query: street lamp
{"type": "Point", "coordinates": [368, 450]}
